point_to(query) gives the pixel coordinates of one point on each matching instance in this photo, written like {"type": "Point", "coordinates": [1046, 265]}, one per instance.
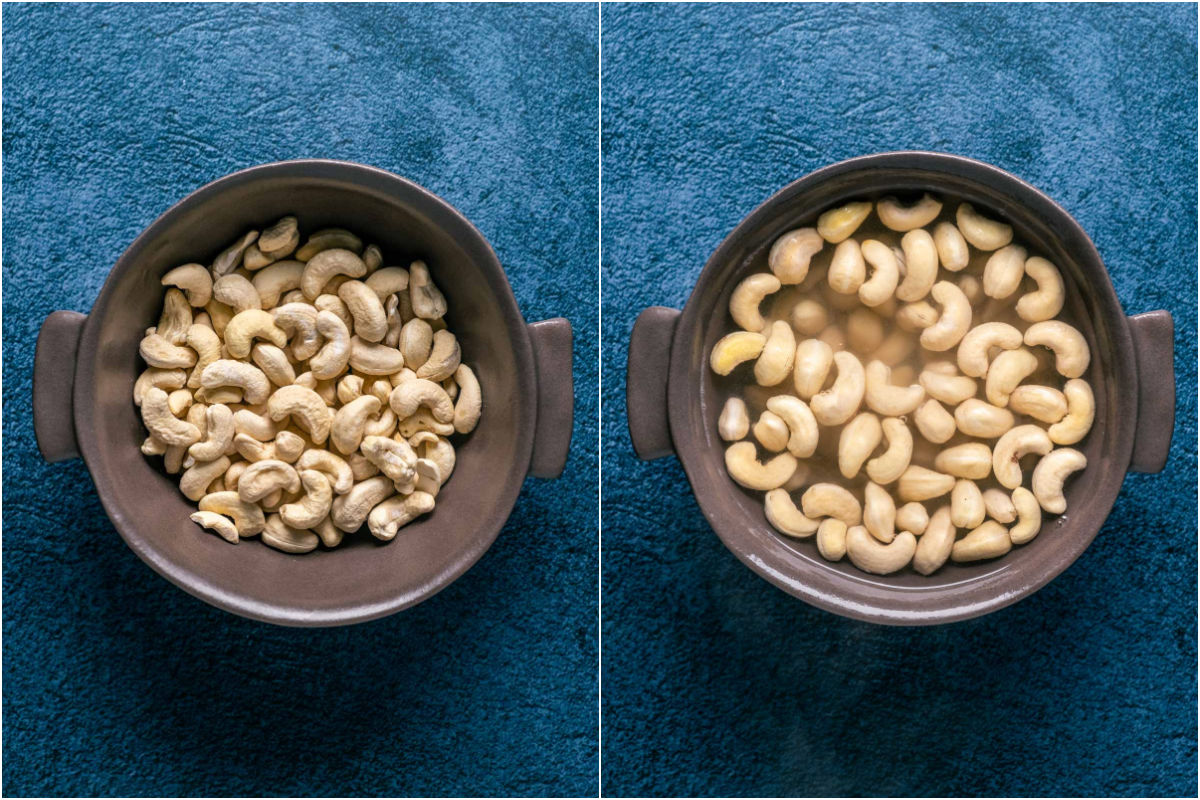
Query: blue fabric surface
{"type": "Point", "coordinates": [716, 683]}
{"type": "Point", "coordinates": [116, 682]}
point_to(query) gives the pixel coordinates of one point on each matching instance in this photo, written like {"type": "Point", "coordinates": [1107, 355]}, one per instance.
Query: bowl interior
{"type": "Point", "coordinates": [362, 578]}
{"type": "Point", "coordinates": [956, 590]}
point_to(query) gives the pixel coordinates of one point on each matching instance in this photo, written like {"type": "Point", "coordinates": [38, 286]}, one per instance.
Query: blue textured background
{"type": "Point", "coordinates": [115, 682]}
{"type": "Point", "coordinates": [714, 682]}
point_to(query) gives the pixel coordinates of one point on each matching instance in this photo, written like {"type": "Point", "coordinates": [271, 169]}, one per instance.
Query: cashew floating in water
{"type": "Point", "coordinates": [951, 246]}
{"type": "Point", "coordinates": [734, 422]}
{"type": "Point", "coordinates": [918, 484]}
{"type": "Point", "coordinates": [1070, 348]}
{"type": "Point", "coordinates": [837, 404]}
{"type": "Point", "coordinates": [871, 555]}
{"type": "Point", "coordinates": [921, 266]}
{"type": "Point", "coordinates": [982, 233]}
{"type": "Point", "coordinates": [792, 252]}
{"type": "Point", "coordinates": [887, 399]}
{"type": "Point", "coordinates": [859, 439]}
{"type": "Point", "coordinates": [864, 330]}
{"type": "Point", "coordinates": [1040, 402]}
{"type": "Point", "coordinates": [886, 468]}
{"type": "Point", "coordinates": [785, 517]}
{"type": "Point", "coordinates": [999, 506]}
{"type": "Point", "coordinates": [1047, 300]}
{"type": "Point", "coordinates": [934, 422]}
{"type": "Point", "coordinates": [1051, 473]}
{"type": "Point", "coordinates": [1004, 270]}
{"type": "Point", "coordinates": [847, 269]}
{"type": "Point", "coordinates": [195, 280]}
{"type": "Point", "coordinates": [916, 316]}
{"type": "Point", "coordinates": [809, 317]}
{"type": "Point", "coordinates": [803, 431]}
{"type": "Point", "coordinates": [1028, 513]}
{"type": "Point", "coordinates": [989, 540]}
{"type": "Point", "coordinates": [967, 509]}
{"type": "Point", "coordinates": [734, 349]}
{"type": "Point", "coordinates": [972, 460]}
{"type": "Point", "coordinates": [838, 224]}
{"type": "Point", "coordinates": [879, 513]}
{"type": "Point", "coordinates": [881, 286]}
{"type": "Point", "coordinates": [1006, 372]}
{"type": "Point", "coordinates": [777, 357]}
{"type": "Point", "coordinates": [975, 345]}
{"type": "Point", "coordinates": [933, 550]}
{"type": "Point", "coordinates": [907, 218]}
{"type": "Point", "coordinates": [1081, 411]}
{"type": "Point", "coordinates": [814, 359]}
{"type": "Point", "coordinates": [982, 420]}
{"type": "Point", "coordinates": [954, 320]}
{"type": "Point", "coordinates": [741, 461]}
{"type": "Point", "coordinates": [912, 517]}
{"type": "Point", "coordinates": [831, 500]}
{"type": "Point", "coordinates": [951, 389]}
{"type": "Point", "coordinates": [771, 432]}
{"type": "Point", "coordinates": [748, 296]}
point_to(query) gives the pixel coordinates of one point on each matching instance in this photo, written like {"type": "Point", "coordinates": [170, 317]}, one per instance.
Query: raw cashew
{"type": "Point", "coordinates": [1081, 411]}
{"type": "Point", "coordinates": [778, 356]}
{"type": "Point", "coordinates": [895, 348]}
{"type": "Point", "coordinates": [195, 280]}
{"type": "Point", "coordinates": [346, 432]}
{"type": "Point", "coordinates": [859, 439]}
{"type": "Point", "coordinates": [999, 506]}
{"type": "Point", "coordinates": [809, 317]}
{"type": "Point", "coordinates": [1040, 402]}
{"type": "Point", "coordinates": [1051, 473]}
{"type": "Point", "coordinates": [972, 461]}
{"type": "Point", "coordinates": [350, 510]}
{"type": "Point", "coordinates": [976, 344]}
{"type": "Point", "coordinates": [395, 459]}
{"type": "Point", "coordinates": [349, 387]}
{"type": "Point", "coordinates": [847, 269]}
{"type": "Point", "coordinates": [280, 239]}
{"type": "Point", "coordinates": [801, 424]}
{"type": "Point", "coordinates": [877, 558]}
{"type": "Point", "coordinates": [423, 421]}
{"type": "Point", "coordinates": [229, 258]}
{"type": "Point", "coordinates": [162, 424]}
{"type": "Point", "coordinates": [219, 314]}
{"type": "Point", "coordinates": [983, 233]}
{"type": "Point", "coordinates": [313, 506]}
{"type": "Point", "coordinates": [734, 349]}
{"type": "Point", "coordinates": [881, 286]}
{"type": "Point", "coordinates": [936, 543]}
{"type": "Point", "coordinates": [221, 525]}
{"type": "Point", "coordinates": [324, 265]}
{"type": "Point", "coordinates": [427, 300]}
{"type": "Point", "coordinates": [333, 357]}
{"type": "Point", "coordinates": [989, 540]}
{"type": "Point", "coordinates": [967, 509]}
{"type": "Point", "coordinates": [262, 478]}
{"type": "Point", "coordinates": [446, 355]}
{"type": "Point", "coordinates": [273, 281]}
{"type": "Point", "coordinates": [246, 516]}
{"type": "Point", "coordinates": [954, 320]}
{"type": "Point", "coordinates": [299, 322]}
{"type": "Point", "coordinates": [279, 535]}
{"type": "Point", "coordinates": [833, 337]}
{"type": "Point", "coordinates": [388, 281]}
{"type": "Point", "coordinates": [196, 479]}
{"type": "Point", "coordinates": [179, 401]}
{"type": "Point", "coordinates": [158, 352]}
{"type": "Point", "coordinates": [166, 379]}
{"type": "Point", "coordinates": [950, 389]}
{"type": "Point", "coordinates": [1012, 447]}
{"type": "Point", "coordinates": [370, 320]}
{"type": "Point", "coordinates": [1028, 512]}
{"type": "Point", "coordinates": [918, 484]}
{"type": "Point", "coordinates": [437, 450]}
{"type": "Point", "coordinates": [734, 422]}
{"type": "Point", "coordinates": [333, 466]}
{"type": "Point", "coordinates": [864, 330]}
{"type": "Point", "coordinates": [891, 465]}
{"type": "Point", "coordinates": [1003, 272]}
{"type": "Point", "coordinates": [748, 296]}
{"type": "Point", "coordinates": [1044, 303]}
{"type": "Point", "coordinates": [916, 316]}
{"type": "Point", "coordinates": [831, 539]}
{"type": "Point", "coordinates": [879, 513]}
{"type": "Point", "coordinates": [305, 407]}
{"type": "Point", "coordinates": [247, 377]}
{"type": "Point", "coordinates": [1006, 372]}
{"type": "Point", "coordinates": [1070, 348]}
{"type": "Point", "coordinates": [274, 364]}
{"type": "Point", "coordinates": [176, 317]}
{"type": "Point", "coordinates": [408, 396]}
{"type": "Point", "coordinates": [252, 449]}
{"type": "Point", "coordinates": [254, 425]}
{"type": "Point", "coordinates": [839, 402]}
{"type": "Point", "coordinates": [416, 341]}
{"type": "Point", "coordinates": [907, 218]}
{"type": "Point", "coordinates": [951, 246]}
{"type": "Point", "coordinates": [248, 325]}
{"type": "Point", "coordinates": [329, 534]}
{"type": "Point", "coordinates": [887, 399]}
{"type": "Point", "coordinates": [982, 420]}
{"type": "Point", "coordinates": [374, 359]}
{"type": "Point", "coordinates": [831, 500]}
{"type": "Point", "coordinates": [814, 359]}
{"type": "Point", "coordinates": [741, 461]}
{"type": "Point", "coordinates": [236, 292]}
{"type": "Point", "coordinates": [218, 435]}
{"type": "Point", "coordinates": [771, 432]}
{"type": "Point", "coordinates": [326, 239]}
{"type": "Point", "coordinates": [790, 255]}
{"type": "Point", "coordinates": [786, 518]}
{"type": "Point", "coordinates": [921, 266]}
{"type": "Point", "coordinates": [838, 224]}
{"type": "Point", "coordinates": [469, 405]}
{"type": "Point", "coordinates": [934, 422]}
{"type": "Point", "coordinates": [388, 517]}
{"type": "Point", "coordinates": [912, 517]}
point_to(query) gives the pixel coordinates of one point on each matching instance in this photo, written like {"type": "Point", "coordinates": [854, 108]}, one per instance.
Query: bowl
{"type": "Point", "coordinates": [85, 367]}
{"type": "Point", "coordinates": [673, 399]}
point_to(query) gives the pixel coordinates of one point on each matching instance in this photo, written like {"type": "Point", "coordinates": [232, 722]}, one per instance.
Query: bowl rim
{"type": "Point", "coordinates": [442, 215]}
{"type": "Point", "coordinates": [830, 590]}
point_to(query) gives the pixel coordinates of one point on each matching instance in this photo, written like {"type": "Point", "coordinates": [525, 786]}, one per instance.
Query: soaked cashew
{"type": "Point", "coordinates": [803, 431]}
{"type": "Point", "coordinates": [916, 316]}
{"type": "Point", "coordinates": [1047, 300]}
{"type": "Point", "coordinates": [771, 432]}
{"type": "Point", "coordinates": [734, 422]}
{"type": "Point", "coordinates": [972, 461]}
{"type": "Point", "coordinates": [1081, 411]}
{"type": "Point", "coordinates": [887, 399]}
{"type": "Point", "coordinates": [1006, 372]}
{"type": "Point", "coordinates": [936, 543]}
{"type": "Point", "coordinates": [1028, 512]}
{"type": "Point", "coordinates": [912, 517]}
{"type": "Point", "coordinates": [195, 280]}
{"type": "Point", "coordinates": [921, 266]}
{"type": "Point", "coordinates": [864, 330]}
{"type": "Point", "coordinates": [1070, 348]}
{"type": "Point", "coordinates": [982, 420]}
{"type": "Point", "coordinates": [734, 349]}
{"type": "Point", "coordinates": [895, 460]}
{"type": "Point", "coordinates": [881, 286]}
{"type": "Point", "coordinates": [982, 233]}
{"type": "Point", "coordinates": [838, 224]}
{"type": "Point", "coordinates": [814, 359]}
{"type": "Point", "coordinates": [967, 509]}
{"type": "Point", "coordinates": [949, 388]}
{"type": "Point", "coordinates": [1040, 402]}
{"type": "Point", "coordinates": [906, 218]}
{"type": "Point", "coordinates": [838, 403]}
{"type": "Point", "coordinates": [870, 555]}
{"type": "Point", "coordinates": [879, 513]}
{"type": "Point", "coordinates": [919, 484]}
{"type": "Point", "coordinates": [221, 525]}
{"type": "Point", "coordinates": [989, 540]}
{"type": "Point", "coordinates": [831, 500]}
{"type": "Point", "coordinates": [847, 269]}
{"type": "Point", "coordinates": [748, 296]}
{"type": "Point", "coordinates": [790, 255]}
{"type": "Point", "coordinates": [1012, 447]}
{"type": "Point", "coordinates": [954, 320]}
{"type": "Point", "coordinates": [934, 422]}
{"type": "Point", "coordinates": [777, 357]}
{"type": "Point", "coordinates": [1051, 473]}
{"type": "Point", "coordinates": [831, 539]}
{"type": "Point", "coordinates": [785, 517]}
{"type": "Point", "coordinates": [859, 439]}
{"type": "Point", "coordinates": [976, 344]}
{"type": "Point", "coordinates": [741, 461]}
{"type": "Point", "coordinates": [1004, 270]}
{"type": "Point", "coordinates": [809, 317]}
{"type": "Point", "coordinates": [951, 246]}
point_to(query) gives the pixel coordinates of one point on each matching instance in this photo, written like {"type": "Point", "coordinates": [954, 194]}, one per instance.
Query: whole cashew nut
{"type": "Point", "coordinates": [734, 349]}
{"type": "Point", "coordinates": [771, 432]}
{"type": "Point", "coordinates": [777, 357]}
{"type": "Point", "coordinates": [748, 296]}
{"type": "Point", "coordinates": [1029, 516]}
{"type": "Point", "coordinates": [263, 478]}
{"type": "Point", "coordinates": [1004, 270]}
{"type": "Point", "coordinates": [734, 422]}
{"type": "Point", "coordinates": [1051, 473]}
{"type": "Point", "coordinates": [157, 351]}
{"type": "Point", "coordinates": [1012, 447]}
{"type": "Point", "coordinates": [1081, 411]}
{"type": "Point", "coordinates": [1006, 372]}
{"type": "Point", "coordinates": [839, 402]}
{"type": "Point", "coordinates": [870, 555]}
{"type": "Point", "coordinates": [274, 364]}
{"type": "Point", "coordinates": [881, 286]}
{"type": "Point", "coordinates": [983, 233]}
{"type": "Point", "coordinates": [831, 500]}
{"type": "Point", "coordinates": [313, 506]}
{"type": "Point", "coordinates": [248, 325]}
{"type": "Point", "coordinates": [195, 280]}
{"type": "Point", "coordinates": [921, 266]}
{"type": "Point", "coordinates": [999, 506]}
{"type": "Point", "coordinates": [785, 517]}
{"type": "Point", "coordinates": [406, 398]}
{"type": "Point", "coordinates": [305, 407]}
{"type": "Point", "coordinates": [279, 535]}
{"type": "Point", "coordinates": [218, 435]}
{"type": "Point", "coordinates": [907, 218]}
{"type": "Point", "coordinates": [176, 317]}
{"type": "Point", "coordinates": [236, 292]}
{"type": "Point", "coordinates": [349, 421]}
{"type": "Point", "coordinates": [257, 426]}
{"type": "Point", "coordinates": [338, 472]}
{"type": "Point", "coordinates": [369, 358]}
{"type": "Point", "coordinates": [416, 342]}
{"type": "Point", "coordinates": [950, 389]}
{"type": "Point", "coordinates": [326, 239]}
{"type": "Point", "coordinates": [967, 509]}
{"type": "Point", "coordinates": [469, 405]}
{"type": "Point", "coordinates": [982, 420]}
{"type": "Point", "coordinates": [864, 330]}
{"type": "Point", "coordinates": [972, 461]}
{"type": "Point", "coordinates": [879, 513]}
{"type": "Point", "coordinates": [1070, 348]}
{"type": "Point", "coordinates": [427, 300]}
{"type": "Point", "coordinates": [831, 539]}
{"type": "Point", "coordinates": [976, 344]}
{"type": "Point", "coordinates": [324, 265]}
{"type": "Point", "coordinates": [162, 424]}
{"type": "Point", "coordinates": [1044, 303]}
{"type": "Point", "coordinates": [951, 246]}
{"type": "Point", "coordinates": [334, 356]}
{"type": "Point", "coordinates": [859, 439]}
{"type": "Point", "coordinates": [847, 269]}
{"type": "Point", "coordinates": [792, 252]}
{"type": "Point", "coordinates": [247, 517]}
{"type": "Point", "coordinates": [800, 421]}
{"type": "Point", "coordinates": [221, 525]}
{"type": "Point", "coordinates": [1040, 402]}
{"type": "Point", "coordinates": [370, 320]}
{"type": "Point", "coordinates": [989, 540]}
{"type": "Point", "coordinates": [247, 377]}
{"type": "Point", "coordinates": [388, 517]}
{"type": "Point", "coordinates": [954, 320]}
{"type": "Point", "coordinates": [887, 399]}
{"type": "Point", "coordinates": [350, 510]}
{"type": "Point", "coordinates": [196, 479]}
{"type": "Point", "coordinates": [229, 258]}
{"type": "Point", "coordinates": [280, 239]}
{"type": "Point", "coordinates": [936, 543]}
{"type": "Point", "coordinates": [895, 460]}
{"type": "Point", "coordinates": [388, 281]}
{"type": "Point", "coordinates": [934, 422]}
{"type": "Point", "coordinates": [272, 282]}
{"type": "Point", "coordinates": [912, 517]}
{"type": "Point", "coordinates": [166, 379]}
{"type": "Point", "coordinates": [814, 359]}
{"type": "Point", "coordinates": [741, 461]}
{"type": "Point", "coordinates": [446, 355]}
{"type": "Point", "coordinates": [838, 224]}
{"type": "Point", "coordinates": [299, 323]}
{"type": "Point", "coordinates": [919, 484]}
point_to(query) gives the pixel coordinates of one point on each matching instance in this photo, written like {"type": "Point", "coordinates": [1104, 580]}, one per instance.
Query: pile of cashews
{"type": "Point", "coordinates": [944, 331]}
{"type": "Point", "coordinates": [303, 390]}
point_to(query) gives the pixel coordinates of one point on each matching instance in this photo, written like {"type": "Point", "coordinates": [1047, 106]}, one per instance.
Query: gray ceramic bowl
{"type": "Point", "coordinates": [673, 400]}
{"type": "Point", "coordinates": [85, 367]}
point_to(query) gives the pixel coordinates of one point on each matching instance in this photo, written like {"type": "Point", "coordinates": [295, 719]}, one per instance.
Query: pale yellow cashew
{"type": "Point", "coordinates": [895, 348]}
{"type": "Point", "coordinates": [1003, 272]}
{"type": "Point", "coordinates": [864, 330]}
{"type": "Point", "coordinates": [778, 355]}
{"type": "Point", "coordinates": [859, 439]}
{"type": "Point", "coordinates": [334, 356]}
{"type": "Point", "coordinates": [275, 280]}
{"type": "Point", "coordinates": [369, 358]}
{"type": "Point", "coordinates": [972, 460]}
{"type": "Point", "coordinates": [221, 525]}
{"type": "Point", "coordinates": [219, 314]}
{"type": "Point", "coordinates": [1081, 411]}
{"type": "Point", "coordinates": [406, 398]}
{"type": "Point", "coordinates": [907, 218]}
{"type": "Point", "coordinates": [801, 424]}
{"type": "Point", "coordinates": [809, 317]}
{"type": "Point", "coordinates": [195, 280]}
{"type": "Point", "coordinates": [263, 478]}
{"type": "Point", "coordinates": [1044, 303]}
{"type": "Point", "coordinates": [1028, 513]}
{"type": "Point", "coordinates": [839, 402]}
{"type": "Point", "coordinates": [951, 246]}
{"type": "Point", "coordinates": [886, 468]}
{"type": "Point", "coordinates": [248, 325]}
{"type": "Point", "coordinates": [305, 407]}
{"type": "Point", "coordinates": [427, 300]}
{"type": "Point", "coordinates": [918, 316]}
{"type": "Point", "coordinates": [921, 266]}
{"type": "Point", "coordinates": [999, 506]}
{"type": "Point", "coordinates": [166, 379]}
{"type": "Point", "coordinates": [967, 509]}
{"type": "Point", "coordinates": [881, 286]}
{"type": "Point", "coordinates": [179, 401]}
{"type": "Point", "coordinates": [326, 239]}
{"type": "Point", "coordinates": [792, 252]}
{"type": "Point", "coordinates": [236, 292]}
{"type": "Point", "coordinates": [255, 425]}
{"type": "Point", "coordinates": [335, 468]}
{"type": "Point", "coordinates": [785, 517]}
{"type": "Point", "coordinates": [954, 320]}
{"type": "Point", "coordinates": [934, 422]}
{"type": "Point", "coordinates": [1006, 372]}
{"type": "Point", "coordinates": [468, 406]}
{"type": "Point", "coordinates": [988, 540]}
{"type": "Point", "coordinates": [388, 517]}
{"type": "Point", "coordinates": [741, 461]}
{"type": "Point", "coordinates": [252, 449]}
{"type": "Point", "coordinates": [196, 479]}
{"type": "Point", "coordinates": [162, 424]}
{"type": "Point", "coordinates": [883, 397]}
{"type": "Point", "coordinates": [1051, 473]}
{"type": "Point", "coordinates": [299, 323]}
{"type": "Point", "coordinates": [157, 351]}
{"type": "Point", "coordinates": [746, 299]}
{"type": "Point", "coordinates": [982, 233]}
{"type": "Point", "coordinates": [326, 264]}
{"type": "Point", "coordinates": [370, 320]}
{"type": "Point", "coordinates": [313, 506]}
{"type": "Point", "coordinates": [912, 517]}
{"type": "Point", "coordinates": [416, 342]}
{"type": "Point", "coordinates": [280, 239]}
{"type": "Point", "coordinates": [847, 269]}
{"type": "Point", "coordinates": [349, 422]}
{"type": "Point", "coordinates": [879, 513]}
{"type": "Point", "coordinates": [771, 432]}
{"type": "Point", "coordinates": [218, 434]}
{"type": "Point", "coordinates": [950, 389]}
{"type": "Point", "coordinates": [975, 346]}
{"type": "Point", "coordinates": [831, 500]}
{"type": "Point", "coordinates": [226, 372]}
{"type": "Point", "coordinates": [246, 516]}
{"type": "Point", "coordinates": [982, 420]}
{"type": "Point", "coordinates": [838, 224]}
{"type": "Point", "coordinates": [446, 355]}
{"type": "Point", "coordinates": [814, 359]}
{"type": "Point", "coordinates": [734, 422]}
{"type": "Point", "coordinates": [388, 281]}
{"type": "Point", "coordinates": [1012, 447]}
{"type": "Point", "coordinates": [176, 317]}
{"type": "Point", "coordinates": [1070, 348]}
{"type": "Point", "coordinates": [395, 459]}
{"type": "Point", "coordinates": [1040, 402]}
{"type": "Point", "coordinates": [350, 510]}
{"type": "Point", "coordinates": [329, 534]}
{"type": "Point", "coordinates": [919, 484]}
{"type": "Point", "coordinates": [936, 543]}
{"type": "Point", "coordinates": [274, 364]}
{"type": "Point", "coordinates": [870, 555]}
{"type": "Point", "coordinates": [831, 539]}
{"type": "Point", "coordinates": [289, 446]}
{"type": "Point", "coordinates": [439, 451]}
{"type": "Point", "coordinates": [207, 345]}
{"type": "Point", "coordinates": [349, 387]}
{"type": "Point", "coordinates": [276, 533]}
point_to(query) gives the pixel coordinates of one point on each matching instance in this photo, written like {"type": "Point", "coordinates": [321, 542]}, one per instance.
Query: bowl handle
{"type": "Point", "coordinates": [54, 384]}
{"type": "Point", "coordinates": [646, 382]}
{"type": "Point", "coordinates": [551, 341]}
{"type": "Point", "coordinates": [1154, 352]}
